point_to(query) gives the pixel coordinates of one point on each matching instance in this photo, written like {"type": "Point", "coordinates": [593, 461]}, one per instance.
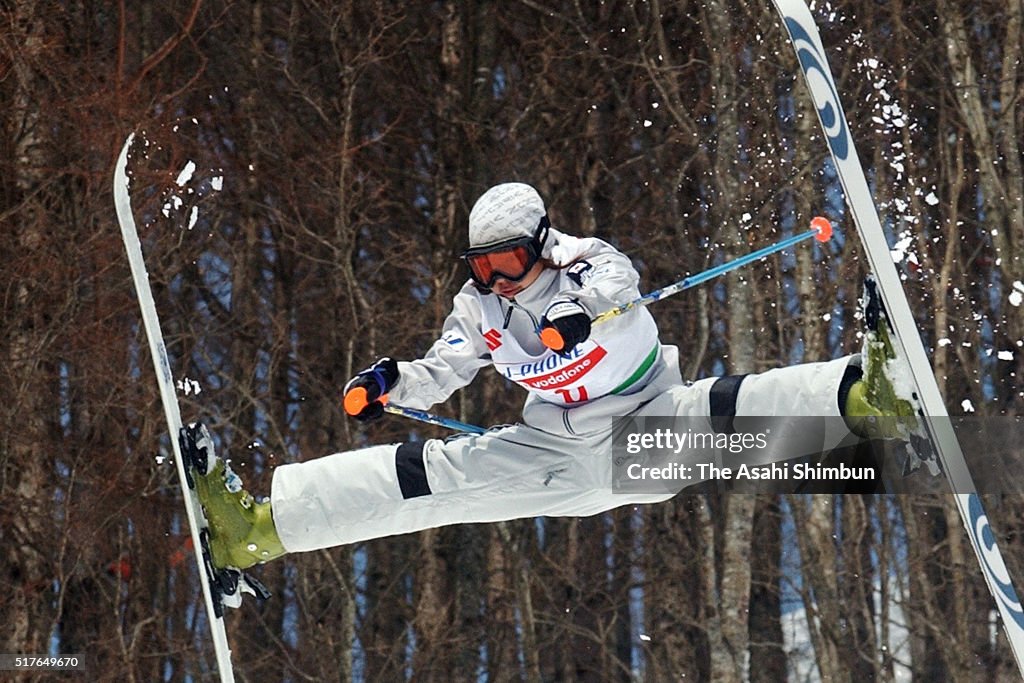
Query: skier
{"type": "Point", "coordinates": [526, 277]}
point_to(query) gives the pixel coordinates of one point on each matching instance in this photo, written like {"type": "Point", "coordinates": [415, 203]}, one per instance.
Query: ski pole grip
{"type": "Point", "coordinates": [356, 400]}
{"type": "Point", "coordinates": [552, 339]}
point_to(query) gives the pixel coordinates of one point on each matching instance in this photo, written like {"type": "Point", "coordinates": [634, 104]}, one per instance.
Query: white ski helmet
{"type": "Point", "coordinates": [506, 212]}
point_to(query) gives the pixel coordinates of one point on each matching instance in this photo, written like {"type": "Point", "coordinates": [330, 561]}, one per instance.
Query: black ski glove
{"type": "Point", "coordinates": [366, 393]}
{"type": "Point", "coordinates": [564, 325]}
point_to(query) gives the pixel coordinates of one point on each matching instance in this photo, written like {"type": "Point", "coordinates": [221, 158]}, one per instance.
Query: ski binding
{"type": "Point", "coordinates": [227, 584]}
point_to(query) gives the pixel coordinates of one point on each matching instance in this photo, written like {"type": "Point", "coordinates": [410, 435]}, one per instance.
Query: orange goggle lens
{"type": "Point", "coordinates": [511, 264]}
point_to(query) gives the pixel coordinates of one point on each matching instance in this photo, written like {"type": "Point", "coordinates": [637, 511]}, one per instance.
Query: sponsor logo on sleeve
{"type": "Point", "coordinates": [580, 272]}
{"type": "Point", "coordinates": [453, 339]}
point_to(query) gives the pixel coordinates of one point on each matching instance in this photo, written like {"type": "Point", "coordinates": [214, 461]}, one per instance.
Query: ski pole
{"type": "Point", "coordinates": [821, 230]}
{"type": "Point", "coordinates": [432, 419]}
{"type": "Point", "coordinates": [356, 400]}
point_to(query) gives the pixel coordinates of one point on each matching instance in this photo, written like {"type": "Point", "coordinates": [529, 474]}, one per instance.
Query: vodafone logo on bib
{"type": "Point", "coordinates": [568, 374]}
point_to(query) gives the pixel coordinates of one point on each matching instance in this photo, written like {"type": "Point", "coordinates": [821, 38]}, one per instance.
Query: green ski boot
{"type": "Point", "coordinates": [242, 531]}
{"type": "Point", "coordinates": [879, 405]}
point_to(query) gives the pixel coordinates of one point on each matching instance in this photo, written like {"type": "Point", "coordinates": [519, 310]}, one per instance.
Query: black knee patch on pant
{"type": "Point", "coordinates": [412, 472]}
{"type": "Point", "coordinates": [722, 398]}
{"type": "Point", "coordinates": [852, 375]}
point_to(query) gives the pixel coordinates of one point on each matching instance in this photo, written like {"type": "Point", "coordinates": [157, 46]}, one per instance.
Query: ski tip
{"type": "Point", "coordinates": [824, 228]}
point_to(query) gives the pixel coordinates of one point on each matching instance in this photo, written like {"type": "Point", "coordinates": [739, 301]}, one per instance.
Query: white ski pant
{"type": "Point", "coordinates": [511, 472]}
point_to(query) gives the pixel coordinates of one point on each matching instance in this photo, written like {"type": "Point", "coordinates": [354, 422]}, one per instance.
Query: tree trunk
{"type": "Point", "coordinates": [815, 527]}
{"type": "Point", "coordinates": [29, 404]}
{"type": "Point", "coordinates": [767, 655]}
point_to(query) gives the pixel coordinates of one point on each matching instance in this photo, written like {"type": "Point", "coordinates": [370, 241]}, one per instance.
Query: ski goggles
{"type": "Point", "coordinates": [510, 260]}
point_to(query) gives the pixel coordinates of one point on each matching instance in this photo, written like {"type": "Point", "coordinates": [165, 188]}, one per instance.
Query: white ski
{"type": "Point", "coordinates": [196, 520]}
{"type": "Point", "coordinates": [810, 53]}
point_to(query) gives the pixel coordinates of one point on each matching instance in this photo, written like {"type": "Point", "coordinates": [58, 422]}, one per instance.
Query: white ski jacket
{"type": "Point", "coordinates": [571, 393]}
